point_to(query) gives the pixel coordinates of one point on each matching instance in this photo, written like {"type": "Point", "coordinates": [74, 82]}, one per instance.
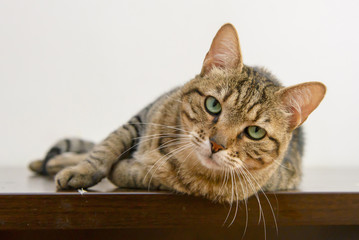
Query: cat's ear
{"type": "Point", "coordinates": [301, 100]}
{"type": "Point", "coordinates": [225, 51]}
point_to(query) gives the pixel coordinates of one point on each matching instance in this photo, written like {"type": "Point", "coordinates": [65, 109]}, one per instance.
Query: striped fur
{"type": "Point", "coordinates": [167, 145]}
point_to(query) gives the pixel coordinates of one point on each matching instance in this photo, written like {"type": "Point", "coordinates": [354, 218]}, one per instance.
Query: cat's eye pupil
{"type": "Point", "coordinates": [255, 132]}
{"type": "Point", "coordinates": [212, 105]}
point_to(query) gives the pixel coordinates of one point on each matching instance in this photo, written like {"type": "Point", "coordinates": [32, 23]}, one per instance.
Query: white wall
{"type": "Point", "coordinates": [81, 68]}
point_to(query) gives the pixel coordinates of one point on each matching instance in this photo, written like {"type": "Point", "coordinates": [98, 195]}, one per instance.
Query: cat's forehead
{"type": "Point", "coordinates": [221, 80]}
{"type": "Point", "coordinates": [240, 90]}
{"type": "Point", "coordinates": [246, 97]}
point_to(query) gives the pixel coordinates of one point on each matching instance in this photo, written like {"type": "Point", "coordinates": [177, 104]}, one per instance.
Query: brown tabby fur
{"type": "Point", "coordinates": [167, 145]}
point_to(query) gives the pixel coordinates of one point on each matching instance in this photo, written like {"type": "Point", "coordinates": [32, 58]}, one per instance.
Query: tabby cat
{"type": "Point", "coordinates": [228, 133]}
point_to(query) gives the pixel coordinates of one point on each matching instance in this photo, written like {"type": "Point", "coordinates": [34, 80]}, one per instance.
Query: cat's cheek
{"type": "Point", "coordinates": [187, 122]}
{"type": "Point", "coordinates": [251, 164]}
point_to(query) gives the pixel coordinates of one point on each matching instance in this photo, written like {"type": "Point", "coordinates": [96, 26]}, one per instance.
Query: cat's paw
{"type": "Point", "coordinates": [79, 176]}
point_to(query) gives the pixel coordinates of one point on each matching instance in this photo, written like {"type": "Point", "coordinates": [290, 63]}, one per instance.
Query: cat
{"type": "Point", "coordinates": [228, 133]}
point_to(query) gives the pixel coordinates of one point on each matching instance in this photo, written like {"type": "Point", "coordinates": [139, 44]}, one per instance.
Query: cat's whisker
{"type": "Point", "coordinates": [189, 154]}
{"type": "Point", "coordinates": [173, 142]}
{"type": "Point", "coordinates": [167, 126]}
{"type": "Point", "coordinates": [174, 152]}
{"type": "Point", "coordinates": [171, 139]}
{"type": "Point", "coordinates": [231, 202]}
{"type": "Point", "coordinates": [170, 143]}
{"type": "Point", "coordinates": [171, 152]}
{"type": "Point", "coordinates": [245, 194]}
{"type": "Point", "coordinates": [156, 163]}
{"type": "Point", "coordinates": [236, 192]}
{"type": "Point", "coordinates": [246, 178]}
{"type": "Point", "coordinates": [230, 163]}
{"type": "Point", "coordinates": [134, 146]}
{"type": "Point", "coordinates": [270, 205]}
{"type": "Point", "coordinates": [260, 188]}
{"type": "Point", "coordinates": [163, 135]}
{"type": "Point", "coordinates": [164, 159]}
{"type": "Point", "coordinates": [219, 193]}
{"type": "Point", "coordinates": [223, 182]}
{"type": "Point", "coordinates": [261, 213]}
{"type": "Point", "coordinates": [281, 165]}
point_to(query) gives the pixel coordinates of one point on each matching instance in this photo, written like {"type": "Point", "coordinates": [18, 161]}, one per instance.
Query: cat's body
{"type": "Point", "coordinates": [226, 134]}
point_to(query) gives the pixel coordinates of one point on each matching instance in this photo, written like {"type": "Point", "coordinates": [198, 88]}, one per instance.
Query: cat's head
{"type": "Point", "coordinates": [238, 116]}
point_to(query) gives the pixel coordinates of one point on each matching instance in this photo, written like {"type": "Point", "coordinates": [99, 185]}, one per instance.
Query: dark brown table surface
{"type": "Point", "coordinates": [327, 204]}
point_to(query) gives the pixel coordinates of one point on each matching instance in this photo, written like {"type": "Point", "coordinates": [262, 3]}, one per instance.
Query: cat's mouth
{"type": "Point", "coordinates": [209, 162]}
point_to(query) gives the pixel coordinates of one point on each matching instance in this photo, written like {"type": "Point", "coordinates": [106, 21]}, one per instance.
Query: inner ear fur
{"type": "Point", "coordinates": [225, 51]}
{"type": "Point", "coordinates": [301, 100]}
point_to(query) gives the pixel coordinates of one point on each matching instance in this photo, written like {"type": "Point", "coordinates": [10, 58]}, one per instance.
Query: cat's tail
{"type": "Point", "coordinates": [67, 145]}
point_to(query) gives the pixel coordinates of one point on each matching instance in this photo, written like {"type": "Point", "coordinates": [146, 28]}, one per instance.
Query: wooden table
{"type": "Point", "coordinates": [325, 207]}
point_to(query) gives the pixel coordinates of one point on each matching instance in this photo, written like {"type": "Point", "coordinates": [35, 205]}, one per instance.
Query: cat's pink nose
{"type": "Point", "coordinates": [215, 147]}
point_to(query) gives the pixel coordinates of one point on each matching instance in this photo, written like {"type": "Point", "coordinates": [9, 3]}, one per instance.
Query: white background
{"type": "Point", "coordinates": [82, 68]}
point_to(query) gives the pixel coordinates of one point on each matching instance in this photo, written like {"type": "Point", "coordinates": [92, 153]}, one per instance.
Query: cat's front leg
{"type": "Point", "coordinates": [131, 173]}
{"type": "Point", "coordinates": [100, 160]}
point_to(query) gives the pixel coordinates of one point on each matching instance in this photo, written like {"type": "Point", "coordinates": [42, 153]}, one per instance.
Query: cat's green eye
{"type": "Point", "coordinates": [212, 105]}
{"type": "Point", "coordinates": [255, 132]}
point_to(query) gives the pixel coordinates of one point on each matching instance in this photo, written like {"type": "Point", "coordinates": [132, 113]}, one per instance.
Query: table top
{"type": "Point", "coordinates": [315, 180]}
{"type": "Point", "coordinates": [327, 197]}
